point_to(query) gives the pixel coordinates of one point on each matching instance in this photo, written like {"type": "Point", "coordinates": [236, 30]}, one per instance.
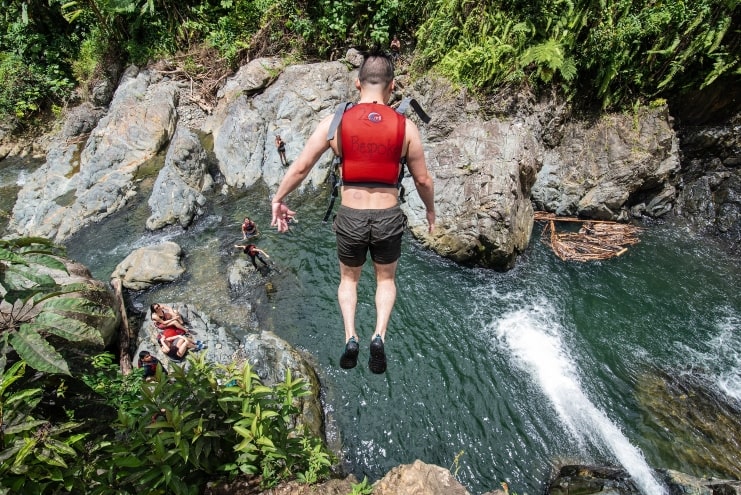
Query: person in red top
{"type": "Point", "coordinates": [164, 316]}
{"type": "Point", "coordinates": [249, 228]}
{"type": "Point", "coordinates": [253, 252]}
{"type": "Point", "coordinates": [371, 140]}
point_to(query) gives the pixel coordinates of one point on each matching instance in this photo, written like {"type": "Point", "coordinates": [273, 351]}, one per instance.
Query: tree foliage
{"type": "Point", "coordinates": [35, 308]}
{"type": "Point", "coordinates": [609, 51]}
{"type": "Point", "coordinates": [172, 435]}
{"type": "Point", "coordinates": [614, 52]}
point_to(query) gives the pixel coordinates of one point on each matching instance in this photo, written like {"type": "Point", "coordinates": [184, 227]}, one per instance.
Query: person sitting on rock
{"type": "Point", "coordinates": [164, 316]}
{"type": "Point", "coordinates": [149, 364]}
{"type": "Point", "coordinates": [176, 346]}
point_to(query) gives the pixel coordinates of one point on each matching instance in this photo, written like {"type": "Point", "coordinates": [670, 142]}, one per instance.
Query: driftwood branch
{"type": "Point", "coordinates": [124, 332]}
{"type": "Point", "coordinates": [595, 240]}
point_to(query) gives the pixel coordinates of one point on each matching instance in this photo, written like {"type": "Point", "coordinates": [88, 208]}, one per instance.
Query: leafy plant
{"type": "Point", "coordinates": [204, 422]}
{"type": "Point", "coordinates": [362, 488]}
{"type": "Point", "coordinates": [34, 453]}
{"type": "Point", "coordinates": [118, 390]}
{"type": "Point", "coordinates": [35, 307]}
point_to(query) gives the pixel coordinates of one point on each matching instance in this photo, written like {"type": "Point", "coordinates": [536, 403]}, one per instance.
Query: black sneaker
{"type": "Point", "coordinates": [377, 360]}
{"type": "Point", "coordinates": [350, 357]}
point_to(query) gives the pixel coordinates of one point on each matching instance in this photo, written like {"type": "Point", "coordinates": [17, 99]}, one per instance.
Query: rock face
{"type": "Point", "coordinates": [610, 169]}
{"type": "Point", "coordinates": [176, 197]}
{"type": "Point", "coordinates": [710, 191]}
{"type": "Point", "coordinates": [245, 123]}
{"type": "Point", "coordinates": [77, 187]}
{"type": "Point", "coordinates": [151, 265]}
{"type": "Point", "coordinates": [483, 171]}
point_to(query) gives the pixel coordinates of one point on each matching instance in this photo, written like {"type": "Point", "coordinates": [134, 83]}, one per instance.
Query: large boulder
{"type": "Point", "coordinates": [419, 478]}
{"type": "Point", "coordinates": [618, 166]}
{"type": "Point", "coordinates": [483, 171]}
{"type": "Point", "coordinates": [246, 121]}
{"type": "Point", "coordinates": [150, 265]}
{"type": "Point", "coordinates": [77, 187]}
{"type": "Point", "coordinates": [176, 197]}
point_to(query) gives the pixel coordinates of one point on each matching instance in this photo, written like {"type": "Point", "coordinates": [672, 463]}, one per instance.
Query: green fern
{"type": "Point", "coordinates": [34, 306]}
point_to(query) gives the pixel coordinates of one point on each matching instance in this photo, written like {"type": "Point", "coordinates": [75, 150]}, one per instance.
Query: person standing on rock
{"type": "Point", "coordinates": [372, 139]}
{"type": "Point", "coordinates": [281, 145]}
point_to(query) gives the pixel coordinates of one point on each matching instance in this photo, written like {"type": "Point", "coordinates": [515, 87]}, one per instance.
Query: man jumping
{"type": "Point", "coordinates": [372, 138]}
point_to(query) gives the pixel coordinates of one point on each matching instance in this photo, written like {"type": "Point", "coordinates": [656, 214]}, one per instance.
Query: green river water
{"type": "Point", "coordinates": [497, 376]}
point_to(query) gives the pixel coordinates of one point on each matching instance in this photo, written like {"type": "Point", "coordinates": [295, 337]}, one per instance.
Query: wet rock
{"type": "Point", "coordinates": [701, 422]}
{"type": "Point", "coordinates": [606, 480]}
{"type": "Point", "coordinates": [150, 265]}
{"type": "Point", "coordinates": [710, 192]}
{"type": "Point", "coordinates": [587, 480]}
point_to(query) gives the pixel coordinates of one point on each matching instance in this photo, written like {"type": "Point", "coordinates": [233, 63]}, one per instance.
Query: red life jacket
{"type": "Point", "coordinates": [372, 141]}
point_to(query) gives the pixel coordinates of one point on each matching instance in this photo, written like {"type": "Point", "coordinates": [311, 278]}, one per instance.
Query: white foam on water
{"type": "Point", "coordinates": [533, 337]}
{"type": "Point", "coordinates": [726, 352]}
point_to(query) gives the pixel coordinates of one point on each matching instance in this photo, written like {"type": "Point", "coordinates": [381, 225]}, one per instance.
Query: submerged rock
{"type": "Point", "coordinates": [702, 423]}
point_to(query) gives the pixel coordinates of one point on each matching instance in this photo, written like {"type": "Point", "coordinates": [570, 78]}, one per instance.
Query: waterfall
{"type": "Point", "coordinates": [533, 338]}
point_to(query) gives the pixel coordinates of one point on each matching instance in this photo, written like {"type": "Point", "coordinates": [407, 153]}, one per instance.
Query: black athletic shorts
{"type": "Point", "coordinates": [377, 231]}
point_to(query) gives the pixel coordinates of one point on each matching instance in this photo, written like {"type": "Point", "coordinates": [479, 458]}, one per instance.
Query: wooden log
{"type": "Point", "coordinates": [124, 332]}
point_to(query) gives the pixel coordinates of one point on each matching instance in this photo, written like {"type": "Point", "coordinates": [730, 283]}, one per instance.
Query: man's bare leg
{"type": "Point", "coordinates": [347, 296]}
{"type": "Point", "coordinates": [385, 296]}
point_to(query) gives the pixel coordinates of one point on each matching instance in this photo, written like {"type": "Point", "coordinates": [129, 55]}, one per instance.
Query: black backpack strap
{"type": "Point", "coordinates": [334, 177]}
{"type": "Point", "coordinates": [407, 102]}
{"type": "Point", "coordinates": [341, 109]}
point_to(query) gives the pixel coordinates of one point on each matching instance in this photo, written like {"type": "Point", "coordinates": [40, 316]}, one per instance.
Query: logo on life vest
{"type": "Point", "coordinates": [375, 117]}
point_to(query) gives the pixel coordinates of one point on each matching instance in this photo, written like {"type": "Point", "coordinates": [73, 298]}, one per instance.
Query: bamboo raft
{"type": "Point", "coordinates": [596, 239]}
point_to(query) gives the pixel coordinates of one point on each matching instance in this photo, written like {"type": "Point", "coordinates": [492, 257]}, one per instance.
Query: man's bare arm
{"type": "Point", "coordinates": [417, 166]}
{"type": "Point", "coordinates": [299, 170]}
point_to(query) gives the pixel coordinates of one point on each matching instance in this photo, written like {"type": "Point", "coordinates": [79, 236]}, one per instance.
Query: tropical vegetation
{"type": "Point", "coordinates": [171, 435]}
{"type": "Point", "coordinates": [607, 52]}
{"type": "Point", "coordinates": [118, 432]}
